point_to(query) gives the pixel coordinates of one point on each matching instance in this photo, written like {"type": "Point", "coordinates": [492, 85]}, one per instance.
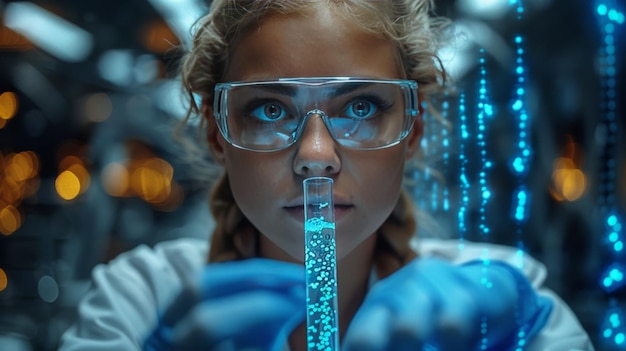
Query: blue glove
{"type": "Point", "coordinates": [434, 305]}
{"type": "Point", "coordinates": [250, 304]}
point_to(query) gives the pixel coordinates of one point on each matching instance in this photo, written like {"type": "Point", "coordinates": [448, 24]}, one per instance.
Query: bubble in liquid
{"type": "Point", "coordinates": [322, 286]}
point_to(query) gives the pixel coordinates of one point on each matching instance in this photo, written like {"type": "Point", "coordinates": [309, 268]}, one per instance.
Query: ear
{"type": "Point", "coordinates": [414, 138]}
{"type": "Point", "coordinates": [214, 137]}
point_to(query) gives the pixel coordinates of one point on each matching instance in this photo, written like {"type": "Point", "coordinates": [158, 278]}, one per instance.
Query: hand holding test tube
{"type": "Point", "coordinates": [320, 264]}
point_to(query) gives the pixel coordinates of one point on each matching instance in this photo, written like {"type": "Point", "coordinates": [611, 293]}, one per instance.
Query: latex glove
{"type": "Point", "coordinates": [252, 304]}
{"type": "Point", "coordinates": [433, 305]}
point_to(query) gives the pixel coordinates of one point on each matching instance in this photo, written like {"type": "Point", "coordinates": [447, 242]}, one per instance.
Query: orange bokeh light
{"type": "Point", "coordinates": [82, 174]}
{"type": "Point", "coordinates": [568, 182]}
{"type": "Point", "coordinates": [159, 38]}
{"type": "Point", "coordinates": [8, 105]}
{"type": "Point", "coordinates": [147, 177]}
{"type": "Point", "coordinates": [4, 281]}
{"type": "Point", "coordinates": [73, 179]}
{"type": "Point", "coordinates": [67, 185]}
{"type": "Point", "coordinates": [19, 176]}
{"type": "Point", "coordinates": [10, 220]}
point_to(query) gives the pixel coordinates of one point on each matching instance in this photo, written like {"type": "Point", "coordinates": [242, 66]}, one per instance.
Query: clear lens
{"type": "Point", "coordinates": [361, 114]}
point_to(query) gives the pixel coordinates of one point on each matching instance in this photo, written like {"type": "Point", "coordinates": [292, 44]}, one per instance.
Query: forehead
{"type": "Point", "coordinates": [314, 43]}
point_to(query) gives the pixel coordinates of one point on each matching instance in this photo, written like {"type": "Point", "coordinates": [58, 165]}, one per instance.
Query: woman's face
{"type": "Point", "coordinates": [268, 186]}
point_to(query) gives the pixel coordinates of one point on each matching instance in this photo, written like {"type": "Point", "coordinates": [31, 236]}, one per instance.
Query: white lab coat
{"type": "Point", "coordinates": [120, 309]}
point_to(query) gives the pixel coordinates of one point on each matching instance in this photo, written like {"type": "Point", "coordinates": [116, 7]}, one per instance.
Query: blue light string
{"type": "Point", "coordinates": [484, 112]}
{"type": "Point", "coordinates": [434, 146]}
{"type": "Point", "coordinates": [431, 190]}
{"type": "Point", "coordinates": [522, 157]}
{"type": "Point", "coordinates": [608, 18]}
{"type": "Point", "coordinates": [445, 142]}
{"type": "Point", "coordinates": [612, 279]}
{"type": "Point", "coordinates": [613, 328]}
{"type": "Point", "coordinates": [440, 145]}
{"type": "Point", "coordinates": [464, 182]}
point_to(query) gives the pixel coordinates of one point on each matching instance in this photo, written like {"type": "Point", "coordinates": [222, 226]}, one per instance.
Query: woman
{"type": "Point", "coordinates": [317, 88]}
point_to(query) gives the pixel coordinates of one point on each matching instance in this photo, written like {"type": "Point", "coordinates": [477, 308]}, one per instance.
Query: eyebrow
{"type": "Point", "coordinates": [347, 88]}
{"type": "Point", "coordinates": [282, 89]}
{"type": "Point", "coordinates": [287, 89]}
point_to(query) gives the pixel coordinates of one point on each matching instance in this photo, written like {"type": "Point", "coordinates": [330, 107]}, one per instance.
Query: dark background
{"type": "Point", "coordinates": [113, 109]}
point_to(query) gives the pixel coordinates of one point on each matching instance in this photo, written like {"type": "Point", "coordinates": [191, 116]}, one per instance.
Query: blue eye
{"type": "Point", "coordinates": [269, 112]}
{"type": "Point", "coordinates": [361, 109]}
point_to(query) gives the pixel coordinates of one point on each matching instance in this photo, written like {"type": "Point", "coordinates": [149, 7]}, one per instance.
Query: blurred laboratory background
{"type": "Point", "coordinates": [526, 149]}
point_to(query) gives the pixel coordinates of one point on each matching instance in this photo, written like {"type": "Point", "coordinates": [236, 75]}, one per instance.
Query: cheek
{"type": "Point", "coordinates": [383, 191]}
{"type": "Point", "coordinates": [379, 181]}
{"type": "Point", "coordinates": [254, 178]}
{"type": "Point", "coordinates": [245, 188]}
{"type": "Point", "coordinates": [381, 174]}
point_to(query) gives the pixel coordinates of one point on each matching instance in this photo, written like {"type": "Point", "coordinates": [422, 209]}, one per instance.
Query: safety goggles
{"type": "Point", "coordinates": [363, 114]}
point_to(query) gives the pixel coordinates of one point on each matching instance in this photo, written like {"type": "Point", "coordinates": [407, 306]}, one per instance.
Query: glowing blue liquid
{"type": "Point", "coordinates": [321, 282]}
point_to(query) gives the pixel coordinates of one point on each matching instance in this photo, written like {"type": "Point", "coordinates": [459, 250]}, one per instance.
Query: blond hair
{"type": "Point", "coordinates": [410, 24]}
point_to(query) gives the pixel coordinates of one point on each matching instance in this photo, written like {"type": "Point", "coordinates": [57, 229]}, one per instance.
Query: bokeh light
{"type": "Point", "coordinates": [48, 289]}
{"type": "Point", "coordinates": [173, 200]}
{"type": "Point", "coordinates": [73, 178]}
{"type": "Point", "coordinates": [613, 277]}
{"type": "Point", "coordinates": [82, 174]}
{"type": "Point", "coordinates": [159, 38]}
{"type": "Point", "coordinates": [151, 179]}
{"type": "Point", "coordinates": [115, 179]}
{"type": "Point", "coordinates": [568, 182]}
{"type": "Point", "coordinates": [22, 166]}
{"type": "Point", "coordinates": [11, 40]}
{"type": "Point", "coordinates": [19, 179]}
{"type": "Point", "coordinates": [67, 185]}
{"type": "Point", "coordinates": [10, 220]}
{"type": "Point", "coordinates": [145, 176]}
{"type": "Point", "coordinates": [148, 184]}
{"type": "Point", "coordinates": [8, 105]}
{"type": "Point", "coordinates": [4, 281]}
{"type": "Point", "coordinates": [12, 191]}
{"type": "Point", "coordinates": [98, 107]}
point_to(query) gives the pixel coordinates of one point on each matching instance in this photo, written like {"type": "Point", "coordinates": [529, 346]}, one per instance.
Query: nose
{"type": "Point", "coordinates": [316, 152]}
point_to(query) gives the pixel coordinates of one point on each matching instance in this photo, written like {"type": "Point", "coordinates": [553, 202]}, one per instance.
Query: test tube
{"type": "Point", "coordinates": [320, 264]}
